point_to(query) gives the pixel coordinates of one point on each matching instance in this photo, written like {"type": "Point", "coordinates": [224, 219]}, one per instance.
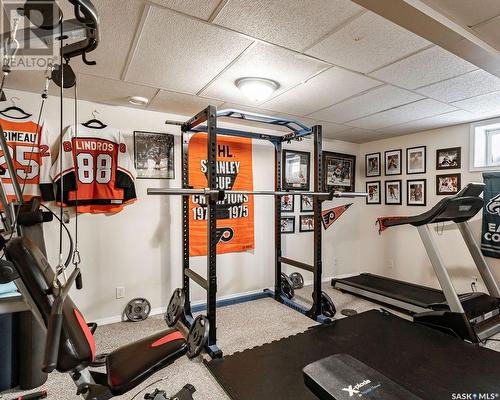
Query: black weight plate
{"type": "Point", "coordinates": [137, 309]}
{"type": "Point", "coordinates": [175, 308]}
{"type": "Point", "coordinates": [348, 312]}
{"type": "Point", "coordinates": [197, 336]}
{"type": "Point", "coordinates": [287, 286]}
{"type": "Point", "coordinates": [297, 280]}
{"type": "Point", "coordinates": [327, 307]}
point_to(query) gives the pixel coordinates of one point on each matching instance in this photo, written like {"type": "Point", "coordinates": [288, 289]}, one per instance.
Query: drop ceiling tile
{"type": "Point", "coordinates": [179, 103]}
{"type": "Point", "coordinates": [437, 121]}
{"type": "Point", "coordinates": [289, 23]}
{"type": "Point", "coordinates": [467, 12]}
{"type": "Point", "coordinates": [367, 43]}
{"type": "Point", "coordinates": [409, 112]}
{"type": "Point", "coordinates": [487, 104]}
{"type": "Point", "coordinates": [490, 32]}
{"type": "Point", "coordinates": [329, 128]}
{"type": "Point", "coordinates": [30, 81]}
{"type": "Point", "coordinates": [325, 89]}
{"type": "Point", "coordinates": [375, 100]}
{"type": "Point", "coordinates": [197, 8]}
{"type": "Point", "coordinates": [119, 22]}
{"type": "Point", "coordinates": [356, 135]}
{"type": "Point", "coordinates": [182, 54]}
{"type": "Point", "coordinates": [265, 61]}
{"type": "Point", "coordinates": [428, 66]}
{"type": "Point", "coordinates": [462, 87]}
{"type": "Point", "coordinates": [113, 92]}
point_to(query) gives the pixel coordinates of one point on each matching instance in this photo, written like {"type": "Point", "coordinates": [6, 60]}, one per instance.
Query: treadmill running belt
{"type": "Point", "coordinates": [415, 294]}
{"type": "Point", "coordinates": [428, 363]}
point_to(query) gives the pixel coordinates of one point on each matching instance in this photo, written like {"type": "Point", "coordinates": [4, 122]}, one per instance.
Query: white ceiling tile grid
{"type": "Point", "coordinates": [358, 135]}
{"type": "Point", "coordinates": [409, 112]}
{"type": "Point", "coordinates": [197, 8]}
{"type": "Point", "coordinates": [182, 54]}
{"type": "Point", "coordinates": [450, 118]}
{"type": "Point", "coordinates": [111, 92]}
{"type": "Point", "coordinates": [462, 87]}
{"type": "Point", "coordinates": [424, 68]}
{"type": "Point", "coordinates": [367, 43]}
{"type": "Point", "coordinates": [376, 100]}
{"type": "Point", "coordinates": [485, 105]}
{"type": "Point", "coordinates": [289, 23]}
{"type": "Point", "coordinates": [119, 22]}
{"type": "Point", "coordinates": [323, 90]}
{"type": "Point", "coordinates": [265, 61]}
{"type": "Point", "coordinates": [179, 103]}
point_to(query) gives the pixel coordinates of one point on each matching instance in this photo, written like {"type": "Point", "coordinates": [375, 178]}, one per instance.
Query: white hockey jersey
{"type": "Point", "coordinates": [30, 152]}
{"type": "Point", "coordinates": [97, 172]}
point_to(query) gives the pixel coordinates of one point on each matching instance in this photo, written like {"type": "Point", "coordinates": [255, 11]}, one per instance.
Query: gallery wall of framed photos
{"type": "Point", "coordinates": [411, 162]}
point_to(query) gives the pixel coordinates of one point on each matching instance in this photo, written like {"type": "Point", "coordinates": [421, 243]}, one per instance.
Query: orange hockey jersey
{"type": "Point", "coordinates": [97, 172]}
{"type": "Point", "coordinates": [30, 152]}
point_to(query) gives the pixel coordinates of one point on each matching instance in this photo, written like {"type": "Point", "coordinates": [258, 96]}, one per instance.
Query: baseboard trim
{"type": "Point", "coordinates": [200, 305]}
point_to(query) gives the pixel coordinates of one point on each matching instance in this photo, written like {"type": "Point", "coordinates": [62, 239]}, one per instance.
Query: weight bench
{"type": "Point", "coordinates": [70, 346]}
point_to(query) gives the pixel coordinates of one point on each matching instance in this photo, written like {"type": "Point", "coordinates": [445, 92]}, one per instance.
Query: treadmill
{"type": "Point", "coordinates": [473, 316]}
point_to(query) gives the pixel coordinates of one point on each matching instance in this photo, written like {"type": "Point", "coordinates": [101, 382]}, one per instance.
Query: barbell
{"type": "Point", "coordinates": [221, 193]}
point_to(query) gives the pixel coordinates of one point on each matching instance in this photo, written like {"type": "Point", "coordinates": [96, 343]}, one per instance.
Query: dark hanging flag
{"type": "Point", "coordinates": [330, 216]}
{"type": "Point", "coordinates": [490, 239]}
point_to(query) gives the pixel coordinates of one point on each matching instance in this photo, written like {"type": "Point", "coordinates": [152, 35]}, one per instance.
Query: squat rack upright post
{"type": "Point", "coordinates": [298, 131]}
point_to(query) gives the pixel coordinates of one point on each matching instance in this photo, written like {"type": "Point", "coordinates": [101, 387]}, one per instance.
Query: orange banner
{"type": "Point", "coordinates": [235, 223]}
{"type": "Point", "coordinates": [328, 217]}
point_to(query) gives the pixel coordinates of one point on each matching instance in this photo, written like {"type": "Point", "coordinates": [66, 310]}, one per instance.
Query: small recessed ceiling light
{"type": "Point", "coordinates": [257, 89]}
{"type": "Point", "coordinates": [138, 100]}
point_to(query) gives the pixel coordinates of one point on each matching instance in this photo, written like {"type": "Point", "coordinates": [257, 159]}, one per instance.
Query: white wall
{"type": "Point", "coordinates": [140, 248]}
{"type": "Point", "coordinates": [401, 246]}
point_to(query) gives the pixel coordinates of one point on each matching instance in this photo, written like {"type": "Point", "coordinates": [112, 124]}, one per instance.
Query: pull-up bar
{"type": "Point", "coordinates": [221, 193]}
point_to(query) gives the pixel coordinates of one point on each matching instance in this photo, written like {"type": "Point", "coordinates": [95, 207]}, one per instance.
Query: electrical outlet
{"type": "Point", "coordinates": [120, 292]}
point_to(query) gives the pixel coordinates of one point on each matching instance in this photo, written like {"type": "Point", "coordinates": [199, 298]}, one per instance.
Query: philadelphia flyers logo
{"type": "Point", "coordinates": [329, 217]}
{"type": "Point", "coordinates": [225, 235]}
{"type": "Point", "coordinates": [493, 206]}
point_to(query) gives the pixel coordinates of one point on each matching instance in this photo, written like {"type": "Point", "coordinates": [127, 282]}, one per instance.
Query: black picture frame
{"type": "Point", "coordinates": [389, 162]}
{"type": "Point", "coordinates": [301, 179]}
{"type": "Point", "coordinates": [389, 192]}
{"type": "Point", "coordinates": [374, 199]}
{"type": "Point", "coordinates": [456, 185]}
{"type": "Point", "coordinates": [289, 219]}
{"type": "Point", "coordinates": [148, 148]}
{"type": "Point", "coordinates": [410, 191]}
{"type": "Point", "coordinates": [310, 227]}
{"type": "Point", "coordinates": [306, 203]}
{"type": "Point", "coordinates": [336, 168]}
{"type": "Point", "coordinates": [449, 158]}
{"type": "Point", "coordinates": [288, 206]}
{"type": "Point", "coordinates": [412, 170]}
{"type": "Point", "coordinates": [373, 170]}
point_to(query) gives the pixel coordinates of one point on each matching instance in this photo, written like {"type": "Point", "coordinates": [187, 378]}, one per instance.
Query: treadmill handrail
{"type": "Point", "coordinates": [458, 208]}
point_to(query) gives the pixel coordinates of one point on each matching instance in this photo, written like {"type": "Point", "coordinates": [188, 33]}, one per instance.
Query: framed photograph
{"type": "Point", "coordinates": [393, 162]}
{"type": "Point", "coordinates": [372, 165]}
{"type": "Point", "coordinates": [306, 203]}
{"type": "Point", "coordinates": [448, 184]}
{"type": "Point", "coordinates": [416, 160]}
{"type": "Point", "coordinates": [450, 158]}
{"type": "Point", "coordinates": [393, 192]}
{"type": "Point", "coordinates": [288, 225]}
{"type": "Point", "coordinates": [416, 192]}
{"type": "Point", "coordinates": [287, 203]}
{"type": "Point", "coordinates": [339, 171]}
{"type": "Point", "coordinates": [306, 223]}
{"type": "Point", "coordinates": [373, 190]}
{"type": "Point", "coordinates": [154, 155]}
{"type": "Point", "coordinates": [296, 165]}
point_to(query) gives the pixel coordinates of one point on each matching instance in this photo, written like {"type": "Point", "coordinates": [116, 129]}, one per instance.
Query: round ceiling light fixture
{"type": "Point", "coordinates": [138, 100]}
{"type": "Point", "coordinates": [257, 89]}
